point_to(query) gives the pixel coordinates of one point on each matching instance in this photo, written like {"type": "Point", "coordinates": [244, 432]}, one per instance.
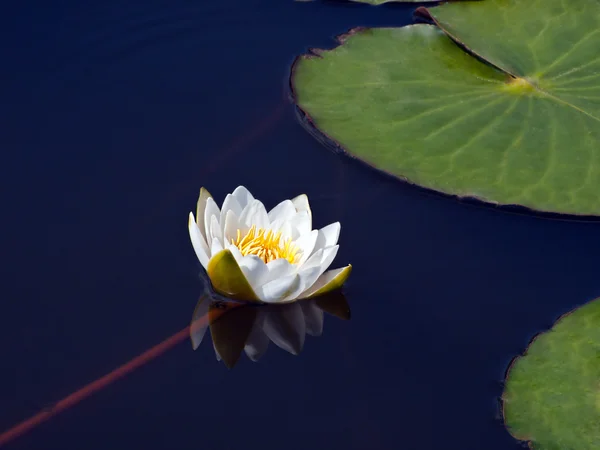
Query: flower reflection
{"type": "Point", "coordinates": [237, 327]}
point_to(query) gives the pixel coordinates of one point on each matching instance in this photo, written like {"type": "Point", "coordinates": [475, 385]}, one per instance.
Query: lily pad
{"type": "Point", "coordinates": [381, 2]}
{"type": "Point", "coordinates": [510, 116]}
{"type": "Point", "coordinates": [552, 393]}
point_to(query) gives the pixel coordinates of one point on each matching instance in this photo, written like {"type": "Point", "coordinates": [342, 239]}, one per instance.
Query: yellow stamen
{"type": "Point", "coordinates": [265, 244]}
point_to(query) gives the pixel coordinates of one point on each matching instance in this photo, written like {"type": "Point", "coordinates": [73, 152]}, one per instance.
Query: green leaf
{"type": "Point", "coordinates": [381, 2]}
{"type": "Point", "coordinates": [552, 394]}
{"type": "Point", "coordinates": [522, 130]}
{"type": "Point", "coordinates": [551, 43]}
{"type": "Point", "coordinates": [330, 281]}
{"type": "Point", "coordinates": [228, 279]}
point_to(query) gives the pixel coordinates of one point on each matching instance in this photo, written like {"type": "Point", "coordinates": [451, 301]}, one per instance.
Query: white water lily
{"type": "Point", "coordinates": [271, 257]}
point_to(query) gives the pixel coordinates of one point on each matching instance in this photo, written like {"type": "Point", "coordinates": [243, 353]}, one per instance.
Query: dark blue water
{"type": "Point", "coordinates": [111, 118]}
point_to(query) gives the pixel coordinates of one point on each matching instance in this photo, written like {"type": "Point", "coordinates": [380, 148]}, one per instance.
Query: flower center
{"type": "Point", "coordinates": [265, 244]}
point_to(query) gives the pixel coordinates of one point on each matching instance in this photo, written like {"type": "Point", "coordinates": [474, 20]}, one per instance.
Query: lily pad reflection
{"type": "Point", "coordinates": [237, 327]}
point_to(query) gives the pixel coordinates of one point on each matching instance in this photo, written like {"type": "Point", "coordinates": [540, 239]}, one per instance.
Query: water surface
{"type": "Point", "coordinates": [113, 116]}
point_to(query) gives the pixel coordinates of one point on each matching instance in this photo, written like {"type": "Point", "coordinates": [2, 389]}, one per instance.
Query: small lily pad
{"type": "Point", "coordinates": [510, 116]}
{"type": "Point", "coordinates": [552, 393]}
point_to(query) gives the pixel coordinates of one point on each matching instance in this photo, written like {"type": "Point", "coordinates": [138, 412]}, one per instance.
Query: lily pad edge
{"type": "Point", "coordinates": [329, 142]}
{"type": "Point", "coordinates": [521, 438]}
{"type": "Point", "coordinates": [382, 2]}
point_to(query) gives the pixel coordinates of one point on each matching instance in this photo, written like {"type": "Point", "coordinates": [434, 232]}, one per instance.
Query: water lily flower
{"type": "Point", "coordinates": [269, 257]}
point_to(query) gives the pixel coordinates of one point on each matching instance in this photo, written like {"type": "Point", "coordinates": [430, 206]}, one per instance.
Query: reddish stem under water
{"type": "Point", "coordinates": [93, 387]}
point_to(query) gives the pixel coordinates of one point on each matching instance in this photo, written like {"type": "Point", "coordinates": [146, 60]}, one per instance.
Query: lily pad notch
{"type": "Point", "coordinates": [309, 124]}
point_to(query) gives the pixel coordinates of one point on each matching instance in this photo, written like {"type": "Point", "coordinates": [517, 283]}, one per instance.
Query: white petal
{"type": "Point", "coordinates": [215, 247]}
{"type": "Point", "coordinates": [314, 260]}
{"type": "Point", "coordinates": [200, 246]}
{"type": "Point", "coordinates": [230, 204]}
{"type": "Point", "coordinates": [255, 214]}
{"type": "Point", "coordinates": [279, 268]}
{"type": "Point", "coordinates": [235, 252]}
{"type": "Point", "coordinates": [305, 244]}
{"type": "Point", "coordinates": [328, 235]}
{"type": "Point", "coordinates": [200, 208]}
{"type": "Point", "coordinates": [276, 225]}
{"type": "Point", "coordinates": [198, 327]}
{"type": "Point", "coordinates": [324, 279]}
{"type": "Point", "coordinates": [308, 277]}
{"type": "Point", "coordinates": [243, 196]}
{"type": "Point", "coordinates": [286, 231]}
{"type": "Point", "coordinates": [254, 269]}
{"type": "Point", "coordinates": [329, 254]}
{"type": "Point", "coordinates": [313, 315]}
{"type": "Point", "coordinates": [286, 327]}
{"type": "Point", "coordinates": [230, 227]}
{"type": "Point", "coordinates": [278, 289]}
{"type": "Point", "coordinates": [215, 229]}
{"type": "Point", "coordinates": [257, 342]}
{"type": "Point", "coordinates": [245, 213]}
{"type": "Point", "coordinates": [322, 258]}
{"type": "Point", "coordinates": [282, 212]}
{"type": "Point", "coordinates": [211, 210]}
{"type": "Point", "coordinates": [312, 269]}
{"type": "Point", "coordinates": [301, 204]}
{"type": "Point", "coordinates": [301, 224]}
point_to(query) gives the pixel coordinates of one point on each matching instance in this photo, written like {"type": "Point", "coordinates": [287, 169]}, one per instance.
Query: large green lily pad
{"type": "Point", "coordinates": [381, 2]}
{"type": "Point", "coordinates": [552, 394]}
{"type": "Point", "coordinates": [517, 125]}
